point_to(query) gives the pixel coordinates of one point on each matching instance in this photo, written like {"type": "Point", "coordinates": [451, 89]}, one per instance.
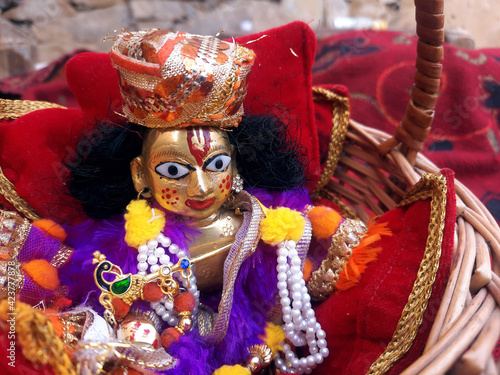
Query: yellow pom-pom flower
{"type": "Point", "coordinates": [142, 223]}
{"type": "Point", "coordinates": [282, 224]}
{"type": "Point", "coordinates": [274, 336]}
{"type": "Point", "coordinates": [232, 370]}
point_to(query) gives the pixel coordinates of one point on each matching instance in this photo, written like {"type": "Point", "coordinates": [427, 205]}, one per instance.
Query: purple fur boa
{"type": "Point", "coordinates": [255, 288]}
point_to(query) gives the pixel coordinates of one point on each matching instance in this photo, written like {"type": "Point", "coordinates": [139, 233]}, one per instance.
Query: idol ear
{"type": "Point", "coordinates": [138, 177]}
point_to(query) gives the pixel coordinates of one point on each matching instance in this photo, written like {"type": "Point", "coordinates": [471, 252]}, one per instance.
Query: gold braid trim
{"type": "Point", "coordinates": [12, 109]}
{"type": "Point", "coordinates": [8, 190]}
{"type": "Point", "coordinates": [430, 186]}
{"type": "Point", "coordinates": [340, 122]}
{"type": "Point", "coordinates": [39, 342]}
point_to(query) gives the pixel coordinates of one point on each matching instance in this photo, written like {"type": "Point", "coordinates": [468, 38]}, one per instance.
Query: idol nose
{"type": "Point", "coordinates": [199, 184]}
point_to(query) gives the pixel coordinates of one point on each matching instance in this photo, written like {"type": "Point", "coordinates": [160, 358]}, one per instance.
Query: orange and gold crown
{"type": "Point", "coordinates": [172, 79]}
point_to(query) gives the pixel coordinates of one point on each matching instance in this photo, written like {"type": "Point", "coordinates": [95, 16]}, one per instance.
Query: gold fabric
{"type": "Point", "coordinates": [12, 109]}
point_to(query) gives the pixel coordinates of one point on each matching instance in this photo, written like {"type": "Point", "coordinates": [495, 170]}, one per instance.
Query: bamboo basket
{"type": "Point", "coordinates": [371, 176]}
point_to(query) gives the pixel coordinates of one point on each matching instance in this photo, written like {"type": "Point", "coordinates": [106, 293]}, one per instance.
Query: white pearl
{"type": "Point", "coordinates": [313, 350]}
{"type": "Point", "coordinates": [291, 244]}
{"type": "Point", "coordinates": [152, 259]}
{"type": "Point", "coordinates": [312, 323]}
{"type": "Point", "coordinates": [307, 306]}
{"type": "Point", "coordinates": [142, 266]}
{"type": "Point", "coordinates": [164, 259]}
{"type": "Point", "coordinates": [283, 293]}
{"type": "Point", "coordinates": [312, 344]}
{"type": "Point", "coordinates": [166, 316]}
{"type": "Point", "coordinates": [196, 294]}
{"type": "Point", "coordinates": [161, 310]}
{"type": "Point", "coordinates": [181, 254]}
{"type": "Point", "coordinates": [143, 249]}
{"type": "Point", "coordinates": [295, 314]}
{"type": "Point", "coordinates": [173, 249]}
{"type": "Point", "coordinates": [297, 287]}
{"type": "Point", "coordinates": [142, 273]}
{"type": "Point", "coordinates": [286, 310]}
{"type": "Point", "coordinates": [321, 343]}
{"type": "Point", "coordinates": [287, 318]}
{"type": "Point", "coordinates": [282, 284]}
{"type": "Point", "coordinates": [321, 334]}
{"type": "Point", "coordinates": [169, 305]}
{"type": "Point", "coordinates": [154, 268]}
{"type": "Point", "coordinates": [295, 261]}
{"type": "Point", "coordinates": [297, 304]}
{"type": "Point", "coordinates": [282, 252]}
{"type": "Point", "coordinates": [295, 269]}
{"type": "Point", "coordinates": [306, 297]}
{"type": "Point", "coordinates": [303, 325]}
{"type": "Point", "coordinates": [282, 259]}
{"type": "Point", "coordinates": [172, 321]}
{"type": "Point", "coordinates": [310, 361]}
{"type": "Point", "coordinates": [309, 314]}
{"type": "Point", "coordinates": [152, 244]}
{"type": "Point", "coordinates": [285, 301]}
{"type": "Point", "coordinates": [192, 289]}
{"type": "Point", "coordinates": [289, 355]}
{"type": "Point", "coordinates": [308, 370]}
{"type": "Point", "coordinates": [318, 358]}
{"type": "Point", "coordinates": [155, 305]}
{"type": "Point", "coordinates": [281, 267]}
{"type": "Point", "coordinates": [288, 327]}
{"type": "Point", "coordinates": [295, 362]}
{"type": "Point", "coordinates": [142, 257]}
{"type": "Point", "coordinates": [303, 362]}
{"type": "Point", "coordinates": [281, 276]}
{"type": "Point", "coordinates": [165, 241]}
{"type": "Point", "coordinates": [324, 352]}
{"type": "Point", "coordinates": [310, 332]}
{"type": "Point", "coordinates": [297, 296]}
{"type": "Point", "coordinates": [159, 251]}
{"type": "Point", "coordinates": [296, 278]}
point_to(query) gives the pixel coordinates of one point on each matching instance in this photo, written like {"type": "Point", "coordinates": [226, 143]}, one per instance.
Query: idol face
{"type": "Point", "coordinates": [188, 171]}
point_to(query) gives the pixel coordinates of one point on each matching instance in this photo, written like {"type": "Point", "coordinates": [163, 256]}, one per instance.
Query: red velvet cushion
{"type": "Point", "coordinates": [360, 322]}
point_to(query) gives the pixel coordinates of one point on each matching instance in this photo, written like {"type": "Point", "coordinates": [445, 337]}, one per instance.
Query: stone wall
{"type": "Point", "coordinates": [35, 32]}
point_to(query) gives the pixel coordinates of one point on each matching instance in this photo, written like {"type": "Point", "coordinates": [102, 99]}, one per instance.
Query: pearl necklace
{"type": "Point", "coordinates": [155, 253]}
{"type": "Point", "coordinates": [300, 326]}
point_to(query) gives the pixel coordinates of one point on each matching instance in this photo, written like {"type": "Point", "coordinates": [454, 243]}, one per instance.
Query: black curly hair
{"type": "Point", "coordinates": [100, 175]}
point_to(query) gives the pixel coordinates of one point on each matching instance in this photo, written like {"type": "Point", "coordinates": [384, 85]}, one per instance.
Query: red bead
{"type": "Point", "coordinates": [184, 302]}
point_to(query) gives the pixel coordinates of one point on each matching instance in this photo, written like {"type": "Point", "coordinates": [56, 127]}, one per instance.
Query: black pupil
{"type": "Point", "coordinates": [218, 164]}
{"type": "Point", "coordinates": [172, 169]}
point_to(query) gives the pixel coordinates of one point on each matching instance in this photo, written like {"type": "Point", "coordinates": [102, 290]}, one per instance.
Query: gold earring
{"type": "Point", "coordinates": [144, 193]}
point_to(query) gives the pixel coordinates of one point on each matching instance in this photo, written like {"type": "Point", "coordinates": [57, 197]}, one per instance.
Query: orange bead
{"type": "Point", "coordinates": [152, 292]}
{"type": "Point", "coordinates": [184, 302]}
{"type": "Point", "coordinates": [121, 308]}
{"type": "Point", "coordinates": [169, 336]}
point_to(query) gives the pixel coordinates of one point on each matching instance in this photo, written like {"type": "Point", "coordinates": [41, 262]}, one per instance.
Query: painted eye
{"type": "Point", "coordinates": [172, 170]}
{"type": "Point", "coordinates": [219, 163]}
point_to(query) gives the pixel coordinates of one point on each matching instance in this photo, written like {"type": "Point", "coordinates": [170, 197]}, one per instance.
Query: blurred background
{"type": "Point", "coordinates": [34, 33]}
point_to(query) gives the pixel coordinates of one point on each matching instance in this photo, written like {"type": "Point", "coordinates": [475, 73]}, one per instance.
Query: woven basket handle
{"type": "Point", "coordinates": [415, 126]}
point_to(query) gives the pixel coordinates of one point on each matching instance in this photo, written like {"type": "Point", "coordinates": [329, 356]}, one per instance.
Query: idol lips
{"type": "Point", "coordinates": [200, 205]}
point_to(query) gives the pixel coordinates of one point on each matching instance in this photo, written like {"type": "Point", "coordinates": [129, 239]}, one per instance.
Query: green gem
{"type": "Point", "coordinates": [120, 287]}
